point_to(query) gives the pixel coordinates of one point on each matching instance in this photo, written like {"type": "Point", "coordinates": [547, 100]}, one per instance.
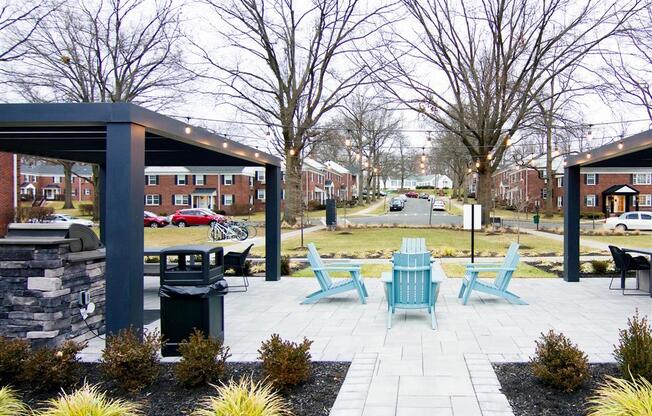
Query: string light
{"type": "Point", "coordinates": [470, 170]}
{"type": "Point", "coordinates": [225, 145]}
{"type": "Point", "coordinates": [620, 145]}
{"type": "Point", "coordinates": [292, 152]}
{"type": "Point", "coordinates": [429, 136]}
{"type": "Point", "coordinates": [423, 158]}
{"type": "Point", "coordinates": [589, 134]}
{"type": "Point", "coordinates": [347, 142]}
{"type": "Point", "coordinates": [477, 164]}
{"type": "Point", "coordinates": [188, 129]}
{"type": "Point", "coordinates": [422, 166]}
{"type": "Point", "coordinates": [588, 155]}
{"type": "Point", "coordinates": [508, 140]}
{"type": "Point", "coordinates": [423, 171]}
{"type": "Point", "coordinates": [555, 152]}
{"type": "Point", "coordinates": [269, 128]}
{"type": "Point", "coordinates": [490, 156]}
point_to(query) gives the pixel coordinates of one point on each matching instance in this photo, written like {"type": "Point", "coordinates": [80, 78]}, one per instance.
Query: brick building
{"type": "Point", "coordinates": [41, 180]}
{"type": "Point", "coordinates": [610, 193]}
{"type": "Point", "coordinates": [9, 174]}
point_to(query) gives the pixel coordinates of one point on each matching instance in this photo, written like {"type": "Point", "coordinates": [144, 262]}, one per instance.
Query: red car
{"type": "Point", "coordinates": [412, 194]}
{"type": "Point", "coordinates": [155, 221]}
{"type": "Point", "coordinates": [195, 216]}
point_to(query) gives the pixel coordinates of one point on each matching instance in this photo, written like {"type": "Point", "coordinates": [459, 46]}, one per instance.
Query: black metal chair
{"type": "Point", "coordinates": [236, 261]}
{"type": "Point", "coordinates": [624, 263]}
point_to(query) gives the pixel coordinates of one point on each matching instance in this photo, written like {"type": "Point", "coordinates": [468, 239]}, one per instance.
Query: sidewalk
{"type": "Point", "coordinates": [586, 242]}
{"type": "Point", "coordinates": [260, 241]}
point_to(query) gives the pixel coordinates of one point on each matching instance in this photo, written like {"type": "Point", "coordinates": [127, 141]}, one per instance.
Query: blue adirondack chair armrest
{"type": "Point", "coordinates": [337, 268]}
{"type": "Point", "coordinates": [435, 276]}
{"type": "Point", "coordinates": [343, 264]}
{"type": "Point", "coordinates": [386, 277]}
{"type": "Point", "coordinates": [474, 265]}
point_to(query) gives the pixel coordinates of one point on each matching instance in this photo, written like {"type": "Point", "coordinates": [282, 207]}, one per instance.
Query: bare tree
{"type": "Point", "coordinates": [113, 51]}
{"type": "Point", "coordinates": [628, 72]}
{"type": "Point", "coordinates": [481, 65]}
{"type": "Point", "coordinates": [18, 22]}
{"type": "Point", "coordinates": [451, 157]}
{"type": "Point", "coordinates": [288, 75]}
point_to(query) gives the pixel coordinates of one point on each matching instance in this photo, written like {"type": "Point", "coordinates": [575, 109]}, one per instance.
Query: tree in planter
{"type": "Point", "coordinates": [296, 52]}
{"type": "Point", "coordinates": [113, 51]}
{"type": "Point", "coordinates": [492, 59]}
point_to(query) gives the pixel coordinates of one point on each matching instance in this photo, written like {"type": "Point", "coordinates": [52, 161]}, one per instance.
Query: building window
{"type": "Point", "coordinates": [260, 176]}
{"type": "Point", "coordinates": [152, 200]}
{"type": "Point", "coordinates": [560, 201]}
{"type": "Point", "coordinates": [57, 179]}
{"type": "Point", "coordinates": [544, 193]}
{"type": "Point", "coordinates": [560, 182]}
{"type": "Point", "coordinates": [181, 180]}
{"type": "Point", "coordinates": [645, 200]}
{"type": "Point", "coordinates": [642, 179]}
{"type": "Point", "coordinates": [199, 180]}
{"type": "Point", "coordinates": [228, 199]}
{"type": "Point", "coordinates": [152, 180]}
{"type": "Point", "coordinates": [87, 191]}
{"type": "Point", "coordinates": [228, 179]}
{"type": "Point", "coordinates": [251, 181]}
{"type": "Point", "coordinates": [181, 200]}
{"type": "Point", "coordinates": [72, 192]}
{"type": "Point", "coordinates": [260, 194]}
{"type": "Point", "coordinates": [251, 199]}
{"type": "Point", "coordinates": [33, 178]}
{"type": "Point", "coordinates": [590, 179]}
{"type": "Point", "coordinates": [590, 201]}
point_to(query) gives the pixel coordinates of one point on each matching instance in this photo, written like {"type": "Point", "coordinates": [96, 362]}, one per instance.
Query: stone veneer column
{"type": "Point", "coordinates": [39, 292]}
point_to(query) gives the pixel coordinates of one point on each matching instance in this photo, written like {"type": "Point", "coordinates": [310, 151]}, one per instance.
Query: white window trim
{"type": "Point", "coordinates": [87, 191]}
{"type": "Point", "coordinates": [590, 175]}
{"type": "Point", "coordinates": [560, 201]}
{"type": "Point", "coordinates": [647, 181]}
{"type": "Point", "coordinates": [179, 179]}
{"type": "Point", "coordinates": [591, 201]}
{"type": "Point", "coordinates": [260, 192]}
{"type": "Point", "coordinates": [229, 180]}
{"type": "Point", "coordinates": [199, 180]}
{"type": "Point", "coordinates": [180, 198]}
{"type": "Point", "coordinates": [151, 200]}
{"type": "Point", "coordinates": [261, 176]}
{"type": "Point", "coordinates": [149, 180]}
{"type": "Point", "coordinates": [645, 200]}
{"type": "Point", "coordinates": [228, 199]}
{"type": "Point", "coordinates": [560, 182]}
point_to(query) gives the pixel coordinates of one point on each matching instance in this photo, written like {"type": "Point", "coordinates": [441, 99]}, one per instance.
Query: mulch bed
{"type": "Point", "coordinates": [529, 397]}
{"type": "Point", "coordinates": [167, 398]}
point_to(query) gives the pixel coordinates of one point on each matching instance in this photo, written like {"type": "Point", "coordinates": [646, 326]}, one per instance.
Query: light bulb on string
{"type": "Point", "coordinates": [347, 142]}
{"type": "Point", "coordinates": [429, 136]}
{"type": "Point", "coordinates": [490, 156]}
{"type": "Point", "coordinates": [292, 152]}
{"type": "Point", "coordinates": [555, 152]}
{"type": "Point", "coordinates": [188, 129]}
{"type": "Point", "coordinates": [423, 158]}
{"type": "Point", "coordinates": [423, 171]}
{"type": "Point", "coordinates": [620, 143]}
{"type": "Point", "coordinates": [588, 155]}
{"type": "Point", "coordinates": [589, 134]}
{"type": "Point", "coordinates": [269, 130]}
{"type": "Point", "coordinates": [477, 164]}
{"type": "Point", "coordinates": [422, 166]}
{"type": "Point", "coordinates": [470, 170]}
{"type": "Point", "coordinates": [225, 145]}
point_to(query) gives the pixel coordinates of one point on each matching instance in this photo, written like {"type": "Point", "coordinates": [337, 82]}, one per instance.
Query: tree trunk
{"type": "Point", "coordinates": [293, 189]}
{"type": "Point", "coordinates": [67, 177]}
{"type": "Point", "coordinates": [96, 193]}
{"type": "Point", "coordinates": [550, 175]}
{"type": "Point", "coordinates": [483, 193]}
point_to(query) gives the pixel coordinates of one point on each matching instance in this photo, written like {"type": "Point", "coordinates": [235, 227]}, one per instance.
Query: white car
{"type": "Point", "coordinates": [65, 218]}
{"type": "Point", "coordinates": [439, 205]}
{"type": "Point", "coordinates": [630, 221]}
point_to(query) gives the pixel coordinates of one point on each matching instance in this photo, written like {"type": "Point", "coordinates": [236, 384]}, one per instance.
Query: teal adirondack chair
{"type": "Point", "coordinates": [327, 286]}
{"type": "Point", "coordinates": [413, 245]}
{"type": "Point", "coordinates": [499, 286]}
{"type": "Point", "coordinates": [413, 283]}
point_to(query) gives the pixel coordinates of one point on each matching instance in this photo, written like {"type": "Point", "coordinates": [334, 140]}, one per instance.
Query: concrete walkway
{"type": "Point", "coordinates": [260, 241]}
{"type": "Point", "coordinates": [585, 242]}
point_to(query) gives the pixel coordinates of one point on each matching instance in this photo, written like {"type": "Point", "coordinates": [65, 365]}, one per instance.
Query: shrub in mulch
{"type": "Point", "coordinates": [559, 363]}
{"type": "Point", "coordinates": [286, 363]}
{"type": "Point", "coordinates": [131, 358]}
{"type": "Point", "coordinates": [13, 353]}
{"type": "Point", "coordinates": [48, 369]}
{"type": "Point", "coordinates": [245, 397]}
{"type": "Point", "coordinates": [203, 360]}
{"type": "Point", "coordinates": [634, 350]}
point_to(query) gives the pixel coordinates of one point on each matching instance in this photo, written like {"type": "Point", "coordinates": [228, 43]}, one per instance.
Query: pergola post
{"type": "Point", "coordinates": [572, 224]}
{"type": "Point", "coordinates": [102, 199]}
{"type": "Point", "coordinates": [124, 184]}
{"type": "Point", "coordinates": [272, 223]}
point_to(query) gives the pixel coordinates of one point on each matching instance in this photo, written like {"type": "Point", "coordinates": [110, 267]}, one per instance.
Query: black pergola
{"type": "Point", "coordinates": [620, 157]}
{"type": "Point", "coordinates": [122, 139]}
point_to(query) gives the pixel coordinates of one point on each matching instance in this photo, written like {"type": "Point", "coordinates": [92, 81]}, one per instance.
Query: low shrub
{"type": "Point", "coordinates": [285, 363]}
{"type": "Point", "coordinates": [203, 360]}
{"type": "Point", "coordinates": [86, 209]}
{"type": "Point", "coordinates": [616, 397]}
{"type": "Point", "coordinates": [286, 270]}
{"type": "Point", "coordinates": [448, 252]}
{"type": "Point", "coordinates": [34, 213]}
{"type": "Point", "coordinates": [245, 397]}
{"type": "Point", "coordinates": [558, 363]}
{"type": "Point", "coordinates": [13, 353]}
{"type": "Point", "coordinates": [600, 266]}
{"type": "Point", "coordinates": [47, 368]}
{"type": "Point", "coordinates": [131, 361]}
{"type": "Point", "coordinates": [634, 350]}
{"type": "Point", "coordinates": [10, 404]}
{"type": "Point", "coordinates": [88, 401]}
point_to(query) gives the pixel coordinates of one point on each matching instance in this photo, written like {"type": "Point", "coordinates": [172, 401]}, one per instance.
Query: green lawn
{"type": "Point", "coordinates": [74, 212]}
{"type": "Point", "coordinates": [381, 242]}
{"type": "Point", "coordinates": [633, 241]}
{"type": "Point", "coordinates": [452, 271]}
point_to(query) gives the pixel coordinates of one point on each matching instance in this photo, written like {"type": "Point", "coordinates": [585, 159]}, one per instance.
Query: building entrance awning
{"type": "Point", "coordinates": [620, 190]}
{"type": "Point", "coordinates": [204, 192]}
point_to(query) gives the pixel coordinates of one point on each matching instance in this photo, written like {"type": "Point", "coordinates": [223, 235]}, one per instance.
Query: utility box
{"type": "Point", "coordinates": [331, 213]}
{"type": "Point", "coordinates": [192, 294]}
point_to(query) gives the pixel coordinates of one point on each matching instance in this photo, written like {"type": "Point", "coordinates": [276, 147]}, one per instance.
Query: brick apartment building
{"type": "Point", "coordinates": [47, 181]}
{"type": "Point", "coordinates": [9, 174]}
{"type": "Point", "coordinates": [610, 193]}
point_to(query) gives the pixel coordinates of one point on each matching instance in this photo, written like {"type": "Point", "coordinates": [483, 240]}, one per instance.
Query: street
{"type": "Point", "coordinates": [416, 212]}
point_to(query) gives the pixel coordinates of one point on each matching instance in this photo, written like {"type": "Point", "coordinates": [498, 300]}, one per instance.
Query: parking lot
{"type": "Point", "coordinates": [416, 212]}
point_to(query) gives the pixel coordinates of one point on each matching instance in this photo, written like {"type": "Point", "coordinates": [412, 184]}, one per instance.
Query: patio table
{"type": "Point", "coordinates": [644, 277]}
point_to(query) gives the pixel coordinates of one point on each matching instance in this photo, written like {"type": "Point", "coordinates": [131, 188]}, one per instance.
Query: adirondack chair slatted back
{"type": "Point", "coordinates": [413, 245]}
{"type": "Point", "coordinates": [511, 261]}
{"type": "Point", "coordinates": [411, 279]}
{"type": "Point", "coordinates": [316, 263]}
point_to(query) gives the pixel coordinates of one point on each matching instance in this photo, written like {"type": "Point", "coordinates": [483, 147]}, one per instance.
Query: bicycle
{"type": "Point", "coordinates": [252, 231]}
{"type": "Point", "coordinates": [227, 231]}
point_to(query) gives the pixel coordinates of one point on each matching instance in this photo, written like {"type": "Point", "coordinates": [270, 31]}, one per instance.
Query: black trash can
{"type": "Point", "coordinates": [192, 294]}
{"type": "Point", "coordinates": [331, 213]}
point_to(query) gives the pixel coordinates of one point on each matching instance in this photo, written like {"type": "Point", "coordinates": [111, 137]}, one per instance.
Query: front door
{"type": "Point", "coordinates": [619, 204]}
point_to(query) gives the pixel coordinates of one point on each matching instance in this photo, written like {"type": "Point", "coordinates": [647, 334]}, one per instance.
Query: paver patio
{"type": "Point", "coordinates": [411, 369]}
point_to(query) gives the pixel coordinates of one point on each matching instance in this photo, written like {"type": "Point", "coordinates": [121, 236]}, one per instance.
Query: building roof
{"type": "Point", "coordinates": [313, 164]}
{"type": "Point", "coordinates": [47, 169]}
{"type": "Point", "coordinates": [334, 166]}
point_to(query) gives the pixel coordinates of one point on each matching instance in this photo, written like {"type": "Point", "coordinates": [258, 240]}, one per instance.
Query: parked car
{"type": "Point", "coordinates": [630, 221]}
{"type": "Point", "coordinates": [195, 216]}
{"type": "Point", "coordinates": [424, 196]}
{"type": "Point", "coordinates": [396, 204]}
{"type": "Point", "coordinates": [412, 194]}
{"type": "Point", "coordinates": [65, 218]}
{"type": "Point", "coordinates": [155, 221]}
{"type": "Point", "coordinates": [439, 205]}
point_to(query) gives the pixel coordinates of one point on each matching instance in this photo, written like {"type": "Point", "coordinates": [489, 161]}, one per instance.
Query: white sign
{"type": "Point", "coordinates": [476, 211]}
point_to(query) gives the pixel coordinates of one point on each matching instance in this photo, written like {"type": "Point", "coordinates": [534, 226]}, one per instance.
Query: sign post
{"type": "Point", "coordinates": [472, 221]}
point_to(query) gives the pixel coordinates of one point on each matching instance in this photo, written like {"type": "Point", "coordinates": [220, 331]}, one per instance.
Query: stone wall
{"type": "Point", "coordinates": [39, 293]}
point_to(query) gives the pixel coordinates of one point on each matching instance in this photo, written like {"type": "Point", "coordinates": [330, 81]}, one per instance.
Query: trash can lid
{"type": "Point", "coordinates": [191, 249]}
